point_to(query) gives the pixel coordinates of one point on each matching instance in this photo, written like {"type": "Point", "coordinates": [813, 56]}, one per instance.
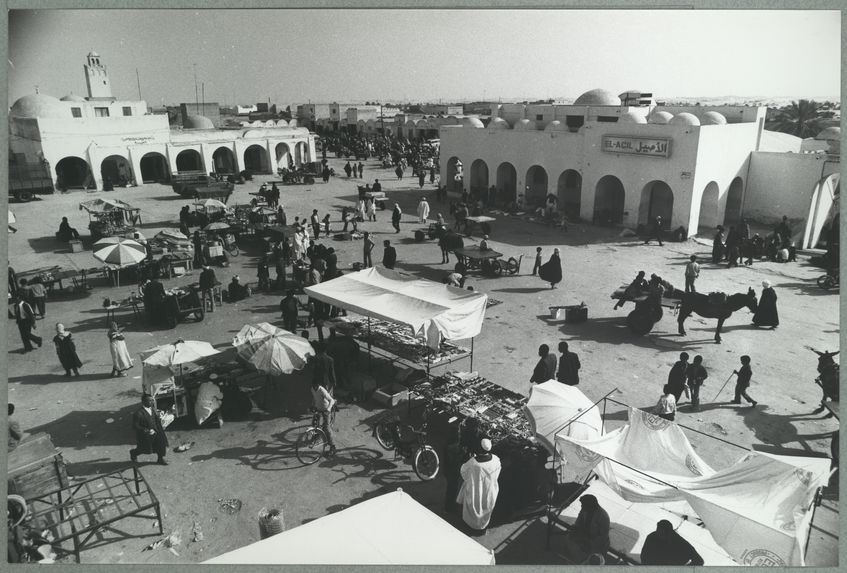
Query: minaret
{"type": "Point", "coordinates": [96, 78]}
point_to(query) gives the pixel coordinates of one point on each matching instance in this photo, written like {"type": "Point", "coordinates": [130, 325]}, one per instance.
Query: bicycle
{"type": "Point", "coordinates": [230, 245]}
{"type": "Point", "coordinates": [312, 444]}
{"type": "Point", "coordinates": [829, 280]}
{"type": "Point", "coordinates": [391, 435]}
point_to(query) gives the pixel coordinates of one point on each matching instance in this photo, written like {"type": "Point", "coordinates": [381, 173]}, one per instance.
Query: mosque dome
{"type": "Point", "coordinates": [93, 54]}
{"type": "Point", "coordinates": [524, 125]}
{"type": "Point", "coordinates": [38, 105]}
{"type": "Point", "coordinates": [713, 118]}
{"type": "Point", "coordinates": [598, 97]}
{"type": "Point", "coordinates": [631, 117]}
{"type": "Point", "coordinates": [555, 125]}
{"type": "Point", "coordinates": [198, 122]}
{"type": "Point", "coordinates": [281, 123]}
{"type": "Point", "coordinates": [73, 97]}
{"type": "Point", "coordinates": [472, 122]}
{"type": "Point", "coordinates": [498, 123]}
{"type": "Point", "coordinates": [660, 117]}
{"type": "Point", "coordinates": [829, 133]}
{"type": "Point", "coordinates": [292, 122]}
{"type": "Point", "coordinates": [684, 118]}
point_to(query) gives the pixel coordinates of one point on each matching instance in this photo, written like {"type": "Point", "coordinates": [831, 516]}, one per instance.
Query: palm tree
{"type": "Point", "coordinates": [800, 118]}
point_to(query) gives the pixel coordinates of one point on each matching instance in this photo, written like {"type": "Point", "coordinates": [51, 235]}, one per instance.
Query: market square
{"type": "Point", "coordinates": [194, 327]}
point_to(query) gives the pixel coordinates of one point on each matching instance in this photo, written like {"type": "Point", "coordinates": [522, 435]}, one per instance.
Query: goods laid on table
{"type": "Point", "coordinates": [499, 411]}
{"type": "Point", "coordinates": [396, 339]}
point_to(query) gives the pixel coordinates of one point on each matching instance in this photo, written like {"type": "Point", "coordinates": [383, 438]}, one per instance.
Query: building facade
{"type": "Point", "coordinates": [696, 167]}
{"type": "Point", "coordinates": [86, 141]}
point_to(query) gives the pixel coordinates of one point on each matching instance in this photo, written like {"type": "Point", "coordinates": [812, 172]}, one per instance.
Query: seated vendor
{"type": "Point", "coordinates": [590, 532]}
{"type": "Point", "coordinates": [455, 279]}
{"type": "Point", "coordinates": [483, 244]}
{"type": "Point", "coordinates": [66, 232]}
{"type": "Point", "coordinates": [236, 291]}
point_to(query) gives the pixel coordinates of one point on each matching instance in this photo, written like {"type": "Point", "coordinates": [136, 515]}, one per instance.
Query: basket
{"type": "Point", "coordinates": [271, 522]}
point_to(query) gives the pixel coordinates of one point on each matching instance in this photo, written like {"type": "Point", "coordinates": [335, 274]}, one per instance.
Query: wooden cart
{"type": "Point", "coordinates": [648, 309]}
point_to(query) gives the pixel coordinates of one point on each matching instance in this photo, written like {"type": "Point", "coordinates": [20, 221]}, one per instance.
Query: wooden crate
{"type": "Point", "coordinates": [36, 467]}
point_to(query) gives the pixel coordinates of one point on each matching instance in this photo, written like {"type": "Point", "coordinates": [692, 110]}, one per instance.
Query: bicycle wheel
{"type": "Point", "coordinates": [825, 282]}
{"type": "Point", "coordinates": [426, 463]}
{"type": "Point", "coordinates": [311, 445]}
{"type": "Point", "coordinates": [384, 436]}
{"type": "Point", "coordinates": [233, 251]}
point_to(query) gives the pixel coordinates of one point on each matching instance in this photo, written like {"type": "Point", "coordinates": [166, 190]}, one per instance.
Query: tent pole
{"type": "Point", "coordinates": [472, 353]}
{"type": "Point", "coordinates": [603, 416]}
{"type": "Point", "coordinates": [370, 353]}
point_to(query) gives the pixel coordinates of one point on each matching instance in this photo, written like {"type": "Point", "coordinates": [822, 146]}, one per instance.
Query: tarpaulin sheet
{"type": "Point", "coordinates": [432, 310]}
{"type": "Point", "coordinates": [392, 529]}
{"type": "Point", "coordinates": [757, 509]}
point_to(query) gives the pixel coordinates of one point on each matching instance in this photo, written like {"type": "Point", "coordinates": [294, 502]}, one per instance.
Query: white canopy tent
{"type": "Point", "coordinates": [392, 529]}
{"type": "Point", "coordinates": [758, 509]}
{"type": "Point", "coordinates": [432, 310]}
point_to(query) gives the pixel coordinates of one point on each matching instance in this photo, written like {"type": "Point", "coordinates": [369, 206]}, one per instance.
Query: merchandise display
{"type": "Point", "coordinates": [396, 339]}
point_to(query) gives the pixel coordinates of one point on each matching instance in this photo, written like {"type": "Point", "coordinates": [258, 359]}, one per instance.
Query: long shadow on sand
{"type": "Point", "coordinates": [82, 429]}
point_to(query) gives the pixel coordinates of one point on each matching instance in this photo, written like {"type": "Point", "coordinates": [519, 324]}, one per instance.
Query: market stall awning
{"type": "Point", "coordinates": [392, 529]}
{"type": "Point", "coordinates": [432, 310]}
{"type": "Point", "coordinates": [104, 205]}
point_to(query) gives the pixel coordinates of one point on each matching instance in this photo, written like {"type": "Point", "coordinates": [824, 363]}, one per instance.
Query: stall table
{"type": "Point", "coordinates": [482, 220]}
{"type": "Point", "coordinates": [474, 258]}
{"type": "Point", "coordinates": [379, 199]}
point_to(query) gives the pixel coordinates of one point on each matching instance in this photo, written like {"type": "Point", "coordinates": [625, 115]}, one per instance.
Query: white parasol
{"type": "Point", "coordinates": [552, 405]}
{"type": "Point", "coordinates": [271, 349]}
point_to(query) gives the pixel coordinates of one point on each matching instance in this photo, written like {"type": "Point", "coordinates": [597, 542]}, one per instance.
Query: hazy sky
{"type": "Point", "coordinates": [293, 56]}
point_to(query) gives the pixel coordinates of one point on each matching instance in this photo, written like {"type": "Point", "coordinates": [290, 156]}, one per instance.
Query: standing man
{"type": "Point", "coordinates": [538, 261]}
{"type": "Point", "coordinates": [290, 308]}
{"type": "Point", "coordinates": [667, 547]}
{"type": "Point", "coordinates": [348, 169]}
{"type": "Point", "coordinates": [423, 210]}
{"type": "Point", "coordinates": [656, 231]}
{"type": "Point", "coordinates": [389, 257]}
{"type": "Point", "coordinates": [361, 169]}
{"type": "Point", "coordinates": [480, 488]}
{"type": "Point", "coordinates": [396, 215]}
{"type": "Point", "coordinates": [745, 373]}
{"type": "Point", "coordinates": [696, 375]}
{"type": "Point", "coordinates": [676, 377]}
{"type": "Point", "coordinates": [323, 368]}
{"type": "Point", "coordinates": [25, 319]}
{"type": "Point", "coordinates": [692, 271]}
{"type": "Point", "coordinates": [568, 366]}
{"type": "Point", "coordinates": [421, 177]}
{"type": "Point", "coordinates": [208, 280]}
{"type": "Point", "coordinates": [546, 368]}
{"type": "Point", "coordinates": [150, 436]}
{"type": "Point", "coordinates": [367, 249]}
{"type": "Point", "coordinates": [316, 223]}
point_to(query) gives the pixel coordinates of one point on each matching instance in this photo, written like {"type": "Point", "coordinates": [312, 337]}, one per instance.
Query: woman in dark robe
{"type": "Point", "coordinates": [551, 271]}
{"type": "Point", "coordinates": [718, 246]}
{"type": "Point", "coordinates": [66, 350]}
{"type": "Point", "coordinates": [767, 314]}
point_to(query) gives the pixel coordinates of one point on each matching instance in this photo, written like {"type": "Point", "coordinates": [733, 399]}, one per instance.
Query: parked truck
{"type": "Point", "coordinates": [199, 185]}
{"type": "Point", "coordinates": [28, 179]}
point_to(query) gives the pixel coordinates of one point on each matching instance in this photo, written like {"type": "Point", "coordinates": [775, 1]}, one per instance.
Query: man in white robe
{"type": "Point", "coordinates": [423, 210]}
{"type": "Point", "coordinates": [479, 490]}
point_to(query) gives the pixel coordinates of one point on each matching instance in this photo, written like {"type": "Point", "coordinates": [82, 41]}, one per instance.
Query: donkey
{"type": "Point", "coordinates": [708, 306]}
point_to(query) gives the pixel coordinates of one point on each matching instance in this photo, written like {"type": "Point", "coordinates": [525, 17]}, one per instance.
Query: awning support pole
{"type": "Point", "coordinates": [471, 354]}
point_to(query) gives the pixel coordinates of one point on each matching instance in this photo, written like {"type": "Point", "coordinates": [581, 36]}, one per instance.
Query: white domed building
{"type": "Point", "coordinates": [624, 160]}
{"type": "Point", "coordinates": [82, 141]}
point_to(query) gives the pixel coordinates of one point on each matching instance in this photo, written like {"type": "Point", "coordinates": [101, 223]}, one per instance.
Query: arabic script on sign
{"type": "Point", "coordinates": [655, 147]}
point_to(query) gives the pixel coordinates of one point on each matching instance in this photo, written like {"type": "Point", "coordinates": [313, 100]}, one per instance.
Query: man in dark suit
{"type": "Point", "coordinates": [150, 436]}
{"type": "Point", "coordinates": [25, 319]}
{"type": "Point", "coordinates": [389, 257]}
{"type": "Point", "coordinates": [568, 366]}
{"type": "Point", "coordinates": [208, 281]}
{"type": "Point", "coordinates": [546, 368]}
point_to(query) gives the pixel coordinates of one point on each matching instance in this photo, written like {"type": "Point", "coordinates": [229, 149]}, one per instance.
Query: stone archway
{"type": "Point", "coordinates": [455, 175]}
{"type": "Point", "coordinates": [656, 201]}
{"type": "Point", "coordinates": [569, 191]}
{"type": "Point", "coordinates": [115, 170]}
{"type": "Point", "coordinates": [479, 175]}
{"type": "Point", "coordinates": [734, 202]}
{"type": "Point", "coordinates": [536, 186]}
{"type": "Point", "coordinates": [154, 168]}
{"type": "Point", "coordinates": [256, 159]}
{"type": "Point", "coordinates": [507, 183]}
{"type": "Point", "coordinates": [283, 156]}
{"type": "Point", "coordinates": [609, 197]}
{"type": "Point", "coordinates": [73, 173]}
{"type": "Point", "coordinates": [301, 153]}
{"type": "Point", "coordinates": [709, 209]}
{"type": "Point", "coordinates": [189, 160]}
{"type": "Point", "coordinates": [224, 160]}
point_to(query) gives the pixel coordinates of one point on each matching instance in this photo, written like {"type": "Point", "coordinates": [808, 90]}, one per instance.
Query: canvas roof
{"type": "Point", "coordinates": [392, 529]}
{"type": "Point", "coordinates": [429, 308]}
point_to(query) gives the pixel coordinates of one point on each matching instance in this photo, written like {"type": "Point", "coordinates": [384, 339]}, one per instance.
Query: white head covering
{"type": "Point", "coordinates": [766, 284]}
{"type": "Point", "coordinates": [485, 444]}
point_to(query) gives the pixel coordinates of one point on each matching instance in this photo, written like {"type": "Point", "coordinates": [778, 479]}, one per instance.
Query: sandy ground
{"type": "Point", "coordinates": [89, 417]}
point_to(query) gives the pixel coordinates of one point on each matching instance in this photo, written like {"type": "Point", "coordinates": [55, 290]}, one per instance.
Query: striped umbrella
{"type": "Point", "coordinates": [271, 349]}
{"type": "Point", "coordinates": [119, 251]}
